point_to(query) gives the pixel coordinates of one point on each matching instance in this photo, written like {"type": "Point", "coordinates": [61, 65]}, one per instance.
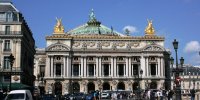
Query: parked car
{"type": "Point", "coordinates": [105, 95]}
{"type": "Point", "coordinates": [89, 97]}
{"type": "Point", "coordinates": [47, 97]}
{"type": "Point", "coordinates": [79, 96]}
{"type": "Point", "coordinates": [19, 95]}
{"type": "Point", "coordinates": [66, 97]}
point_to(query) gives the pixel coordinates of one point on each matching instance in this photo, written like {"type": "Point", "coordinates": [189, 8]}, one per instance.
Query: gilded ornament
{"type": "Point", "coordinates": [149, 29]}
{"type": "Point", "coordinates": [135, 44]}
{"type": "Point", "coordinates": [16, 78]}
{"type": "Point", "coordinates": [59, 28]}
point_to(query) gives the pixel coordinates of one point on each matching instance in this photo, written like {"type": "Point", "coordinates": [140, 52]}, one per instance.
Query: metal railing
{"type": "Point", "coordinates": [10, 32]}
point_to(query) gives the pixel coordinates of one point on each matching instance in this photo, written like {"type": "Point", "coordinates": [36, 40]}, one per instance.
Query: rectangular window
{"type": "Point", "coordinates": [9, 16]}
{"type": "Point", "coordinates": [153, 69]}
{"type": "Point", "coordinates": [7, 45]}
{"type": "Point", "coordinates": [91, 69]}
{"type": "Point", "coordinates": [6, 78]}
{"type": "Point", "coordinates": [7, 30]}
{"type": "Point", "coordinates": [76, 69]}
{"type": "Point", "coordinates": [2, 17]}
{"type": "Point", "coordinates": [42, 70]}
{"type": "Point", "coordinates": [6, 62]}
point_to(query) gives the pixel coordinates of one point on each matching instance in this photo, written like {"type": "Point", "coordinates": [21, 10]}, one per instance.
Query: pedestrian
{"type": "Point", "coordinates": [170, 94]}
{"type": "Point", "coordinates": [192, 94]}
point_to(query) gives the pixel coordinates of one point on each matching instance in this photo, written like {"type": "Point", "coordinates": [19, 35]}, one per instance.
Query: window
{"type": "Point", "coordinates": [6, 78]}
{"type": "Point", "coordinates": [7, 45]}
{"type": "Point", "coordinates": [9, 16]}
{"type": "Point", "coordinates": [121, 69]}
{"type": "Point", "coordinates": [42, 70]}
{"type": "Point", "coordinates": [7, 30]}
{"type": "Point", "coordinates": [76, 69]}
{"type": "Point", "coordinates": [106, 69]}
{"type": "Point", "coordinates": [58, 69]}
{"type": "Point", "coordinates": [2, 17]}
{"type": "Point", "coordinates": [91, 69]}
{"type": "Point", "coordinates": [6, 62]}
{"type": "Point", "coordinates": [153, 69]}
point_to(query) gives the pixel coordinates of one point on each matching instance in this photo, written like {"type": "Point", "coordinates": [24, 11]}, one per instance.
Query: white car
{"type": "Point", "coordinates": [19, 95]}
{"type": "Point", "coordinates": [105, 95]}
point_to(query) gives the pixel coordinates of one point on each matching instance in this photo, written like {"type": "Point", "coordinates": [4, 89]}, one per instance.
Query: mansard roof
{"type": "Point", "coordinates": [7, 6]}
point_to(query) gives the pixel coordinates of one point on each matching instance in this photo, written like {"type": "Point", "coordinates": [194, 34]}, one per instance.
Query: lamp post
{"type": "Point", "coordinates": [11, 60]}
{"type": "Point", "coordinates": [189, 80]}
{"type": "Point", "coordinates": [177, 70]}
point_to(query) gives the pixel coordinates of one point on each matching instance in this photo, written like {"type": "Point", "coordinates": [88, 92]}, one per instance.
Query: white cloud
{"type": "Point", "coordinates": [192, 46]}
{"type": "Point", "coordinates": [132, 29]}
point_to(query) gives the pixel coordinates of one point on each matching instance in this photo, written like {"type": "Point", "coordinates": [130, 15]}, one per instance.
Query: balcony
{"type": "Point", "coordinates": [8, 20]}
{"type": "Point", "coordinates": [10, 32]}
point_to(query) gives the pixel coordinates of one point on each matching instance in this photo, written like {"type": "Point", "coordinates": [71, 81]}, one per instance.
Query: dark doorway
{"type": "Point", "coordinates": [58, 88]}
{"type": "Point", "coordinates": [91, 87]}
{"type": "Point", "coordinates": [106, 86]}
{"type": "Point", "coordinates": [153, 85]}
{"type": "Point", "coordinates": [75, 87]}
{"type": "Point", "coordinates": [135, 86]}
{"type": "Point", "coordinates": [120, 86]}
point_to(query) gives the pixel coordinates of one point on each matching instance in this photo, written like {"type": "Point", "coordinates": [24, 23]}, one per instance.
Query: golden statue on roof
{"type": "Point", "coordinates": [59, 28]}
{"type": "Point", "coordinates": [149, 29]}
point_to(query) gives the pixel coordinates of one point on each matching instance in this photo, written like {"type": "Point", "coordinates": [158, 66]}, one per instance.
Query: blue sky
{"type": "Point", "coordinates": [173, 19]}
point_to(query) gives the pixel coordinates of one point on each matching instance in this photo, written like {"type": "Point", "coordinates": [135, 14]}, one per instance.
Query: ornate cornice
{"type": "Point", "coordinates": [67, 36]}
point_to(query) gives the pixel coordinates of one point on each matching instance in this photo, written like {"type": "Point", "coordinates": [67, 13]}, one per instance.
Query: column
{"type": "Point", "coordinates": [94, 69]}
{"type": "Point", "coordinates": [129, 67]}
{"type": "Point", "coordinates": [100, 67]}
{"type": "Point", "coordinates": [51, 66]}
{"type": "Point", "coordinates": [127, 63]}
{"type": "Point", "coordinates": [162, 66]}
{"type": "Point", "coordinates": [159, 67]}
{"type": "Point", "coordinates": [85, 66]}
{"type": "Point", "coordinates": [79, 67]}
{"type": "Point", "coordinates": [97, 66]}
{"type": "Point", "coordinates": [67, 67]}
{"type": "Point", "coordinates": [82, 67]}
{"type": "Point", "coordinates": [147, 65]}
{"type": "Point", "coordinates": [112, 67]}
{"type": "Point", "coordinates": [64, 66]}
{"type": "Point", "coordinates": [47, 71]}
{"type": "Point", "coordinates": [124, 69]}
{"type": "Point", "coordinates": [143, 65]}
{"type": "Point", "coordinates": [109, 69]}
{"type": "Point", "coordinates": [1, 57]}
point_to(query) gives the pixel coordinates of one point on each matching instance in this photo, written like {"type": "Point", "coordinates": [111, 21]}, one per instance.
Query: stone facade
{"type": "Point", "coordinates": [16, 39]}
{"type": "Point", "coordinates": [102, 59]}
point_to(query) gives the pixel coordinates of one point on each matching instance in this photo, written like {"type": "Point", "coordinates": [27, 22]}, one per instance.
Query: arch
{"type": "Point", "coordinates": [106, 86]}
{"type": "Point", "coordinates": [153, 85]}
{"type": "Point", "coordinates": [121, 86]}
{"type": "Point", "coordinates": [58, 47]}
{"type": "Point", "coordinates": [135, 86]}
{"type": "Point", "coordinates": [57, 88]}
{"type": "Point", "coordinates": [153, 47]}
{"type": "Point", "coordinates": [90, 87]}
{"type": "Point", "coordinates": [75, 87]}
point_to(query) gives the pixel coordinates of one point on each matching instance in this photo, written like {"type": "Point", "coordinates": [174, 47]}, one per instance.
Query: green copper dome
{"type": "Point", "coordinates": [93, 27]}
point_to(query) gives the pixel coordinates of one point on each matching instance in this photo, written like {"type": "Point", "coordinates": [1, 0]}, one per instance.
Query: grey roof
{"type": "Point", "coordinates": [6, 8]}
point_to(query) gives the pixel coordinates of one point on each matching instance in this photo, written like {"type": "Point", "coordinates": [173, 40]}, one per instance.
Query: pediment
{"type": "Point", "coordinates": [58, 47]}
{"type": "Point", "coordinates": [153, 48]}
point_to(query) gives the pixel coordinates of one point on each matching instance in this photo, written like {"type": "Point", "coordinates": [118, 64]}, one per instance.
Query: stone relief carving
{"type": "Point", "coordinates": [153, 48]}
{"type": "Point", "coordinates": [91, 44]}
{"type": "Point", "coordinates": [128, 46]}
{"type": "Point", "coordinates": [120, 44]}
{"type": "Point", "coordinates": [84, 45]}
{"type": "Point", "coordinates": [136, 44]}
{"type": "Point", "coordinates": [114, 46]}
{"type": "Point", "coordinates": [106, 44]}
{"type": "Point", "coordinates": [58, 48]}
{"type": "Point", "coordinates": [99, 46]}
{"type": "Point", "coordinates": [76, 44]}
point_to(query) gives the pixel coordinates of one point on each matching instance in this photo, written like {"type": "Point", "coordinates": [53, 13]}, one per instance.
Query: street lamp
{"type": "Point", "coordinates": [177, 70]}
{"type": "Point", "coordinates": [11, 60]}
